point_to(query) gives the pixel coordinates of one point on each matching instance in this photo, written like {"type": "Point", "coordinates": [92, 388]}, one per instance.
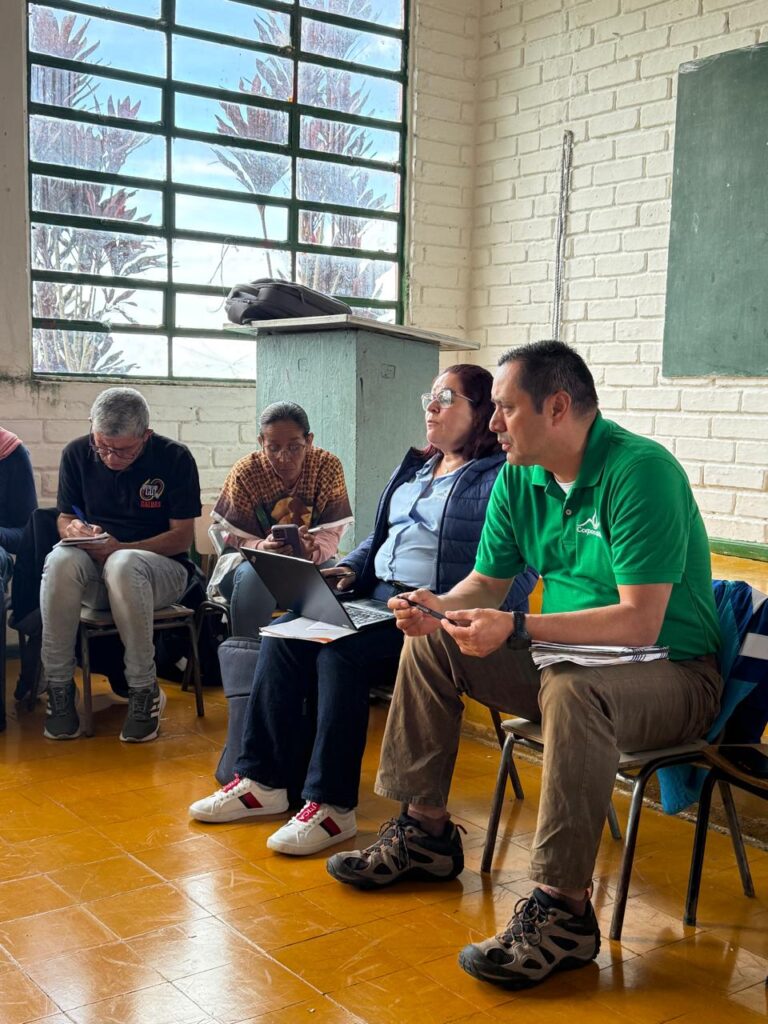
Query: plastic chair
{"type": "Point", "coordinates": [209, 545]}
{"type": "Point", "coordinates": [97, 623]}
{"type": "Point", "coordinates": [746, 767]}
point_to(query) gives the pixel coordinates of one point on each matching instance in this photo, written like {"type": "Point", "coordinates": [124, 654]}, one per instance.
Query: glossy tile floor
{"type": "Point", "coordinates": [114, 907]}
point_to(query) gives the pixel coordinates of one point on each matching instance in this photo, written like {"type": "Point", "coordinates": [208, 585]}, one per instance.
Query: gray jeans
{"type": "Point", "coordinates": [131, 584]}
{"type": "Point", "coordinates": [588, 715]}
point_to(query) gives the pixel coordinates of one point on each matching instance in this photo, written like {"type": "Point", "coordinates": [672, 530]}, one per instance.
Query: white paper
{"type": "Point", "coordinates": [333, 525]}
{"type": "Point", "coordinates": [544, 654]}
{"type": "Point", "coordinates": [97, 538]}
{"type": "Point", "coordinates": [307, 629]}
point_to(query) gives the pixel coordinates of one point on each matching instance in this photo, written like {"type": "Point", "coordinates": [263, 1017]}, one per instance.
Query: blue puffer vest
{"type": "Point", "coordinates": [459, 534]}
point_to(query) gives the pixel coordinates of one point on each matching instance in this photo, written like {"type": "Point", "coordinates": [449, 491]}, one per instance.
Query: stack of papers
{"type": "Point", "coordinates": [97, 538]}
{"type": "Point", "coordinates": [544, 654]}
{"type": "Point", "coordinates": [307, 629]}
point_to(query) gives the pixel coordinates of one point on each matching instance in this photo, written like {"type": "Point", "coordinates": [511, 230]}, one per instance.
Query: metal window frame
{"type": "Point", "coordinates": [168, 189]}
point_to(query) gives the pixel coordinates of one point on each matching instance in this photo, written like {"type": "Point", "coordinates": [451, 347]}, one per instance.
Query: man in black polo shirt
{"type": "Point", "coordinates": [143, 492]}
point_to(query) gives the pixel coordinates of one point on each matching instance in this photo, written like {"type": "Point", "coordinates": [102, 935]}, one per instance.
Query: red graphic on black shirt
{"type": "Point", "coordinates": [150, 493]}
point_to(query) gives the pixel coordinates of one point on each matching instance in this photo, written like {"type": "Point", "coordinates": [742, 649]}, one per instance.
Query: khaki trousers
{"type": "Point", "coordinates": [588, 715]}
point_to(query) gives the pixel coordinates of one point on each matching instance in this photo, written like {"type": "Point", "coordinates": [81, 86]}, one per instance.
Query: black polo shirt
{"type": "Point", "coordinates": [134, 503]}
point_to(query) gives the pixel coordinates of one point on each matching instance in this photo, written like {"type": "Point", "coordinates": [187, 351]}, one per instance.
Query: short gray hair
{"type": "Point", "coordinates": [120, 412]}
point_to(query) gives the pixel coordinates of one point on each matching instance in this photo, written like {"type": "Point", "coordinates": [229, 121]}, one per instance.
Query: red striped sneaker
{"type": "Point", "coordinates": [240, 798]}
{"type": "Point", "coordinates": [314, 828]}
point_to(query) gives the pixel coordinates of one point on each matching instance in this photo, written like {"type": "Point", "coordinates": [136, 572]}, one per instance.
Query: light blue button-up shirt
{"type": "Point", "coordinates": [409, 554]}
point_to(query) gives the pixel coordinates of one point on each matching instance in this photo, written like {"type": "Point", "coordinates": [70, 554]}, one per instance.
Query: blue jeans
{"type": "Point", "coordinates": [290, 676]}
{"type": "Point", "coordinates": [6, 568]}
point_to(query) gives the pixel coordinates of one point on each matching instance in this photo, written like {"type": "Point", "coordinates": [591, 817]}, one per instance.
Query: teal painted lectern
{"type": "Point", "coordinates": [360, 382]}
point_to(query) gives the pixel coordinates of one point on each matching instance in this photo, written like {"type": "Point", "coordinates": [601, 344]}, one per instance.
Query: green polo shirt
{"type": "Point", "coordinates": [630, 518]}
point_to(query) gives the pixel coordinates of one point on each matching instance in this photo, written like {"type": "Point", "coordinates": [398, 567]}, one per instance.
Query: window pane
{"type": "Point", "coordinates": [346, 185]}
{"type": "Point", "coordinates": [354, 140]}
{"type": "Point", "coordinates": [238, 170]}
{"type": "Point", "coordinates": [133, 355]}
{"type": "Point", "coordinates": [111, 44]}
{"type": "Point", "coordinates": [226, 67]}
{"type": "Point", "coordinates": [217, 358]}
{"type": "Point", "coordinates": [83, 251]}
{"type": "Point", "coordinates": [96, 94]}
{"type": "Point", "coordinates": [202, 312]}
{"type": "Point", "coordinates": [146, 8]}
{"type": "Point", "coordinates": [65, 301]}
{"type": "Point", "coordinates": [95, 147]}
{"type": "Point", "coordinates": [332, 229]}
{"type": "Point", "coordinates": [238, 120]}
{"type": "Point", "coordinates": [350, 44]}
{"type": "Point", "coordinates": [345, 275]}
{"type": "Point", "coordinates": [229, 217]}
{"type": "Point", "coordinates": [94, 199]}
{"type": "Point", "coordinates": [384, 316]}
{"type": "Point", "coordinates": [383, 12]}
{"type": "Point", "coordinates": [349, 92]}
{"type": "Point", "coordinates": [235, 20]}
{"type": "Point", "coordinates": [226, 264]}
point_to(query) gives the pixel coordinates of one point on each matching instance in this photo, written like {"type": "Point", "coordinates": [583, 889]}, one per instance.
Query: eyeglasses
{"type": "Point", "coordinates": [444, 399]}
{"type": "Point", "coordinates": [117, 453]}
{"type": "Point", "coordinates": [276, 450]}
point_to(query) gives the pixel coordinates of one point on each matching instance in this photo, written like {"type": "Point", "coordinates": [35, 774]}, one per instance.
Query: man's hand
{"type": "Point", "coordinates": [77, 528]}
{"type": "Point", "coordinates": [412, 621]}
{"type": "Point", "coordinates": [344, 576]}
{"type": "Point", "coordinates": [100, 552]}
{"type": "Point", "coordinates": [488, 629]}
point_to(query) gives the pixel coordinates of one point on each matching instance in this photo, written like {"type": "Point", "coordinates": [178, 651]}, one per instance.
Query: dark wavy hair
{"type": "Point", "coordinates": [475, 383]}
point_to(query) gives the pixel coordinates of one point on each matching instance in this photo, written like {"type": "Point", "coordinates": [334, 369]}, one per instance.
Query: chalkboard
{"type": "Point", "coordinates": [717, 278]}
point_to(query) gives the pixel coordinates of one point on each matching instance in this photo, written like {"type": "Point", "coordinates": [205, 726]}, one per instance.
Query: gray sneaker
{"type": "Point", "coordinates": [61, 718]}
{"type": "Point", "coordinates": [402, 851]}
{"type": "Point", "coordinates": [542, 937]}
{"type": "Point", "coordinates": [142, 723]}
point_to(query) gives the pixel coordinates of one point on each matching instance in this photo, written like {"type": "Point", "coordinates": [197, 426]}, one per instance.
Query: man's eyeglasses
{"type": "Point", "coordinates": [276, 450]}
{"type": "Point", "coordinates": [104, 450]}
{"type": "Point", "coordinates": [444, 398]}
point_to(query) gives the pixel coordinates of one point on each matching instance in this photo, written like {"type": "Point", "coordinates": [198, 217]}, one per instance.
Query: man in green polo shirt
{"type": "Point", "coordinates": [609, 521]}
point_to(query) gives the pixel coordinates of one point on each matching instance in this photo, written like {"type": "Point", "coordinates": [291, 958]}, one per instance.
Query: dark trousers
{"type": "Point", "coordinates": [295, 676]}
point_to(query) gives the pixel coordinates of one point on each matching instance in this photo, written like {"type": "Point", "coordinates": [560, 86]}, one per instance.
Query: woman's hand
{"type": "Point", "coordinates": [486, 630]}
{"type": "Point", "coordinates": [275, 546]}
{"type": "Point", "coordinates": [344, 576]}
{"type": "Point", "coordinates": [412, 621]}
{"type": "Point", "coordinates": [308, 542]}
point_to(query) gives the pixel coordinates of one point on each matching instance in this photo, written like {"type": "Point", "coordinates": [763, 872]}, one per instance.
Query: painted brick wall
{"type": "Point", "coordinates": [606, 70]}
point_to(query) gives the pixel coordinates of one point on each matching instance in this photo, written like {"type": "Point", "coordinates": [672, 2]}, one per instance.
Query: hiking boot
{"type": "Point", "coordinates": [61, 718]}
{"type": "Point", "coordinates": [403, 851]}
{"type": "Point", "coordinates": [240, 798]}
{"type": "Point", "coordinates": [314, 828]}
{"type": "Point", "coordinates": [543, 936]}
{"type": "Point", "coordinates": [145, 706]}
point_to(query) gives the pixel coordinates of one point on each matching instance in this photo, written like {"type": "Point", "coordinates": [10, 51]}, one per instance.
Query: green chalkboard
{"type": "Point", "coordinates": [717, 278]}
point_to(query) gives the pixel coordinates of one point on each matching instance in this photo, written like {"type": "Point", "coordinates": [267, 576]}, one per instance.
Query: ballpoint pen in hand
{"type": "Point", "coordinates": [81, 515]}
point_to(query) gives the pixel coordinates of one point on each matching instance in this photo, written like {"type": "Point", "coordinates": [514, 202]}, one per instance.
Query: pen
{"type": "Point", "coordinates": [80, 515]}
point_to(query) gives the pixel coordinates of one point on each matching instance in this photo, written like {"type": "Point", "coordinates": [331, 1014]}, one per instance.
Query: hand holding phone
{"type": "Point", "coordinates": [288, 535]}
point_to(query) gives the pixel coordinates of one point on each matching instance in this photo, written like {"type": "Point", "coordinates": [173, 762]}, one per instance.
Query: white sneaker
{"type": "Point", "coordinates": [240, 798]}
{"type": "Point", "coordinates": [315, 827]}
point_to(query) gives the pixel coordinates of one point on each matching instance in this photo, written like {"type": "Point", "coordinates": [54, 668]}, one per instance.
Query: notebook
{"type": "Point", "coordinates": [300, 586]}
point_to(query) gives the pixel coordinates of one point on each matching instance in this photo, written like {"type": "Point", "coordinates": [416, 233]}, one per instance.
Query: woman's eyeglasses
{"type": "Point", "coordinates": [444, 398]}
{"type": "Point", "coordinates": [274, 451]}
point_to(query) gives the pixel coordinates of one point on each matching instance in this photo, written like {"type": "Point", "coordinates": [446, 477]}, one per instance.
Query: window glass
{"type": "Point", "coordinates": [83, 352]}
{"type": "Point", "coordinates": [342, 231]}
{"type": "Point", "coordinates": [357, 140]}
{"type": "Point", "coordinates": [228, 67]}
{"type": "Point", "coordinates": [55, 300]}
{"type": "Point", "coordinates": [350, 92]}
{"type": "Point", "coordinates": [96, 147]}
{"type": "Point", "coordinates": [230, 217]}
{"type": "Point", "coordinates": [226, 263]}
{"type": "Point", "coordinates": [382, 12]}
{"type": "Point", "coordinates": [95, 94]}
{"type": "Point", "coordinates": [237, 120]}
{"type": "Point", "coordinates": [96, 199]}
{"type": "Point", "coordinates": [236, 169]}
{"type": "Point", "coordinates": [329, 40]}
{"type": "Point", "coordinates": [324, 182]}
{"type": "Point", "coordinates": [235, 20]}
{"type": "Point", "coordinates": [57, 248]}
{"type": "Point", "coordinates": [346, 275]}
{"type": "Point", "coordinates": [230, 358]}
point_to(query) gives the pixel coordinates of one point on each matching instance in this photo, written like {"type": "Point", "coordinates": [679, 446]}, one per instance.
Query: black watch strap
{"type": "Point", "coordinates": [519, 637]}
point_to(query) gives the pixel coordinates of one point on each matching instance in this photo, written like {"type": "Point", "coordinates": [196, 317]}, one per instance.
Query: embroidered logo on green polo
{"type": "Point", "coordinates": [590, 526]}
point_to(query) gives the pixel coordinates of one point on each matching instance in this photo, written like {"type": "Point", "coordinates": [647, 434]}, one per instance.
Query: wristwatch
{"type": "Point", "coordinates": [519, 637]}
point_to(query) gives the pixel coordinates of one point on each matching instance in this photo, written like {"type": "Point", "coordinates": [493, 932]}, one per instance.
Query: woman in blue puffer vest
{"type": "Point", "coordinates": [426, 533]}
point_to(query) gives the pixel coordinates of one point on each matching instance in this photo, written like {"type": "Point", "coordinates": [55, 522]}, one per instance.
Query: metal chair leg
{"type": "Point", "coordinates": [501, 736]}
{"type": "Point", "coordinates": [613, 821]}
{"type": "Point", "coordinates": [699, 843]}
{"type": "Point", "coordinates": [507, 756]}
{"type": "Point", "coordinates": [85, 657]}
{"type": "Point", "coordinates": [196, 669]}
{"type": "Point", "coordinates": [628, 857]}
{"type": "Point", "coordinates": [736, 838]}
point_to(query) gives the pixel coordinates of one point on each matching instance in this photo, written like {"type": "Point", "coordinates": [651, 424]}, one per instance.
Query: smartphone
{"type": "Point", "coordinates": [288, 534]}
{"type": "Point", "coordinates": [431, 611]}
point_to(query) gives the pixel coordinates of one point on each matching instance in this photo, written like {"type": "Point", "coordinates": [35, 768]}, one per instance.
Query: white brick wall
{"type": "Point", "coordinates": [607, 70]}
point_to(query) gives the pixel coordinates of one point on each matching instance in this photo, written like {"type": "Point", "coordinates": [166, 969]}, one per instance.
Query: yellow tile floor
{"type": "Point", "coordinates": [116, 909]}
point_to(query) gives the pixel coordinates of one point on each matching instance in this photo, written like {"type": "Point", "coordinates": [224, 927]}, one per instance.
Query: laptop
{"type": "Point", "coordinates": [300, 586]}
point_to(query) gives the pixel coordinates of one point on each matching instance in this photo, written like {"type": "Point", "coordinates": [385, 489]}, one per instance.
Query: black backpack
{"type": "Point", "coordinates": [270, 299]}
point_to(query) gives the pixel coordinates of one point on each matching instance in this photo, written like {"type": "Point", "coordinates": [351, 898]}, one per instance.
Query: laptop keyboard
{"type": "Point", "coordinates": [365, 616]}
